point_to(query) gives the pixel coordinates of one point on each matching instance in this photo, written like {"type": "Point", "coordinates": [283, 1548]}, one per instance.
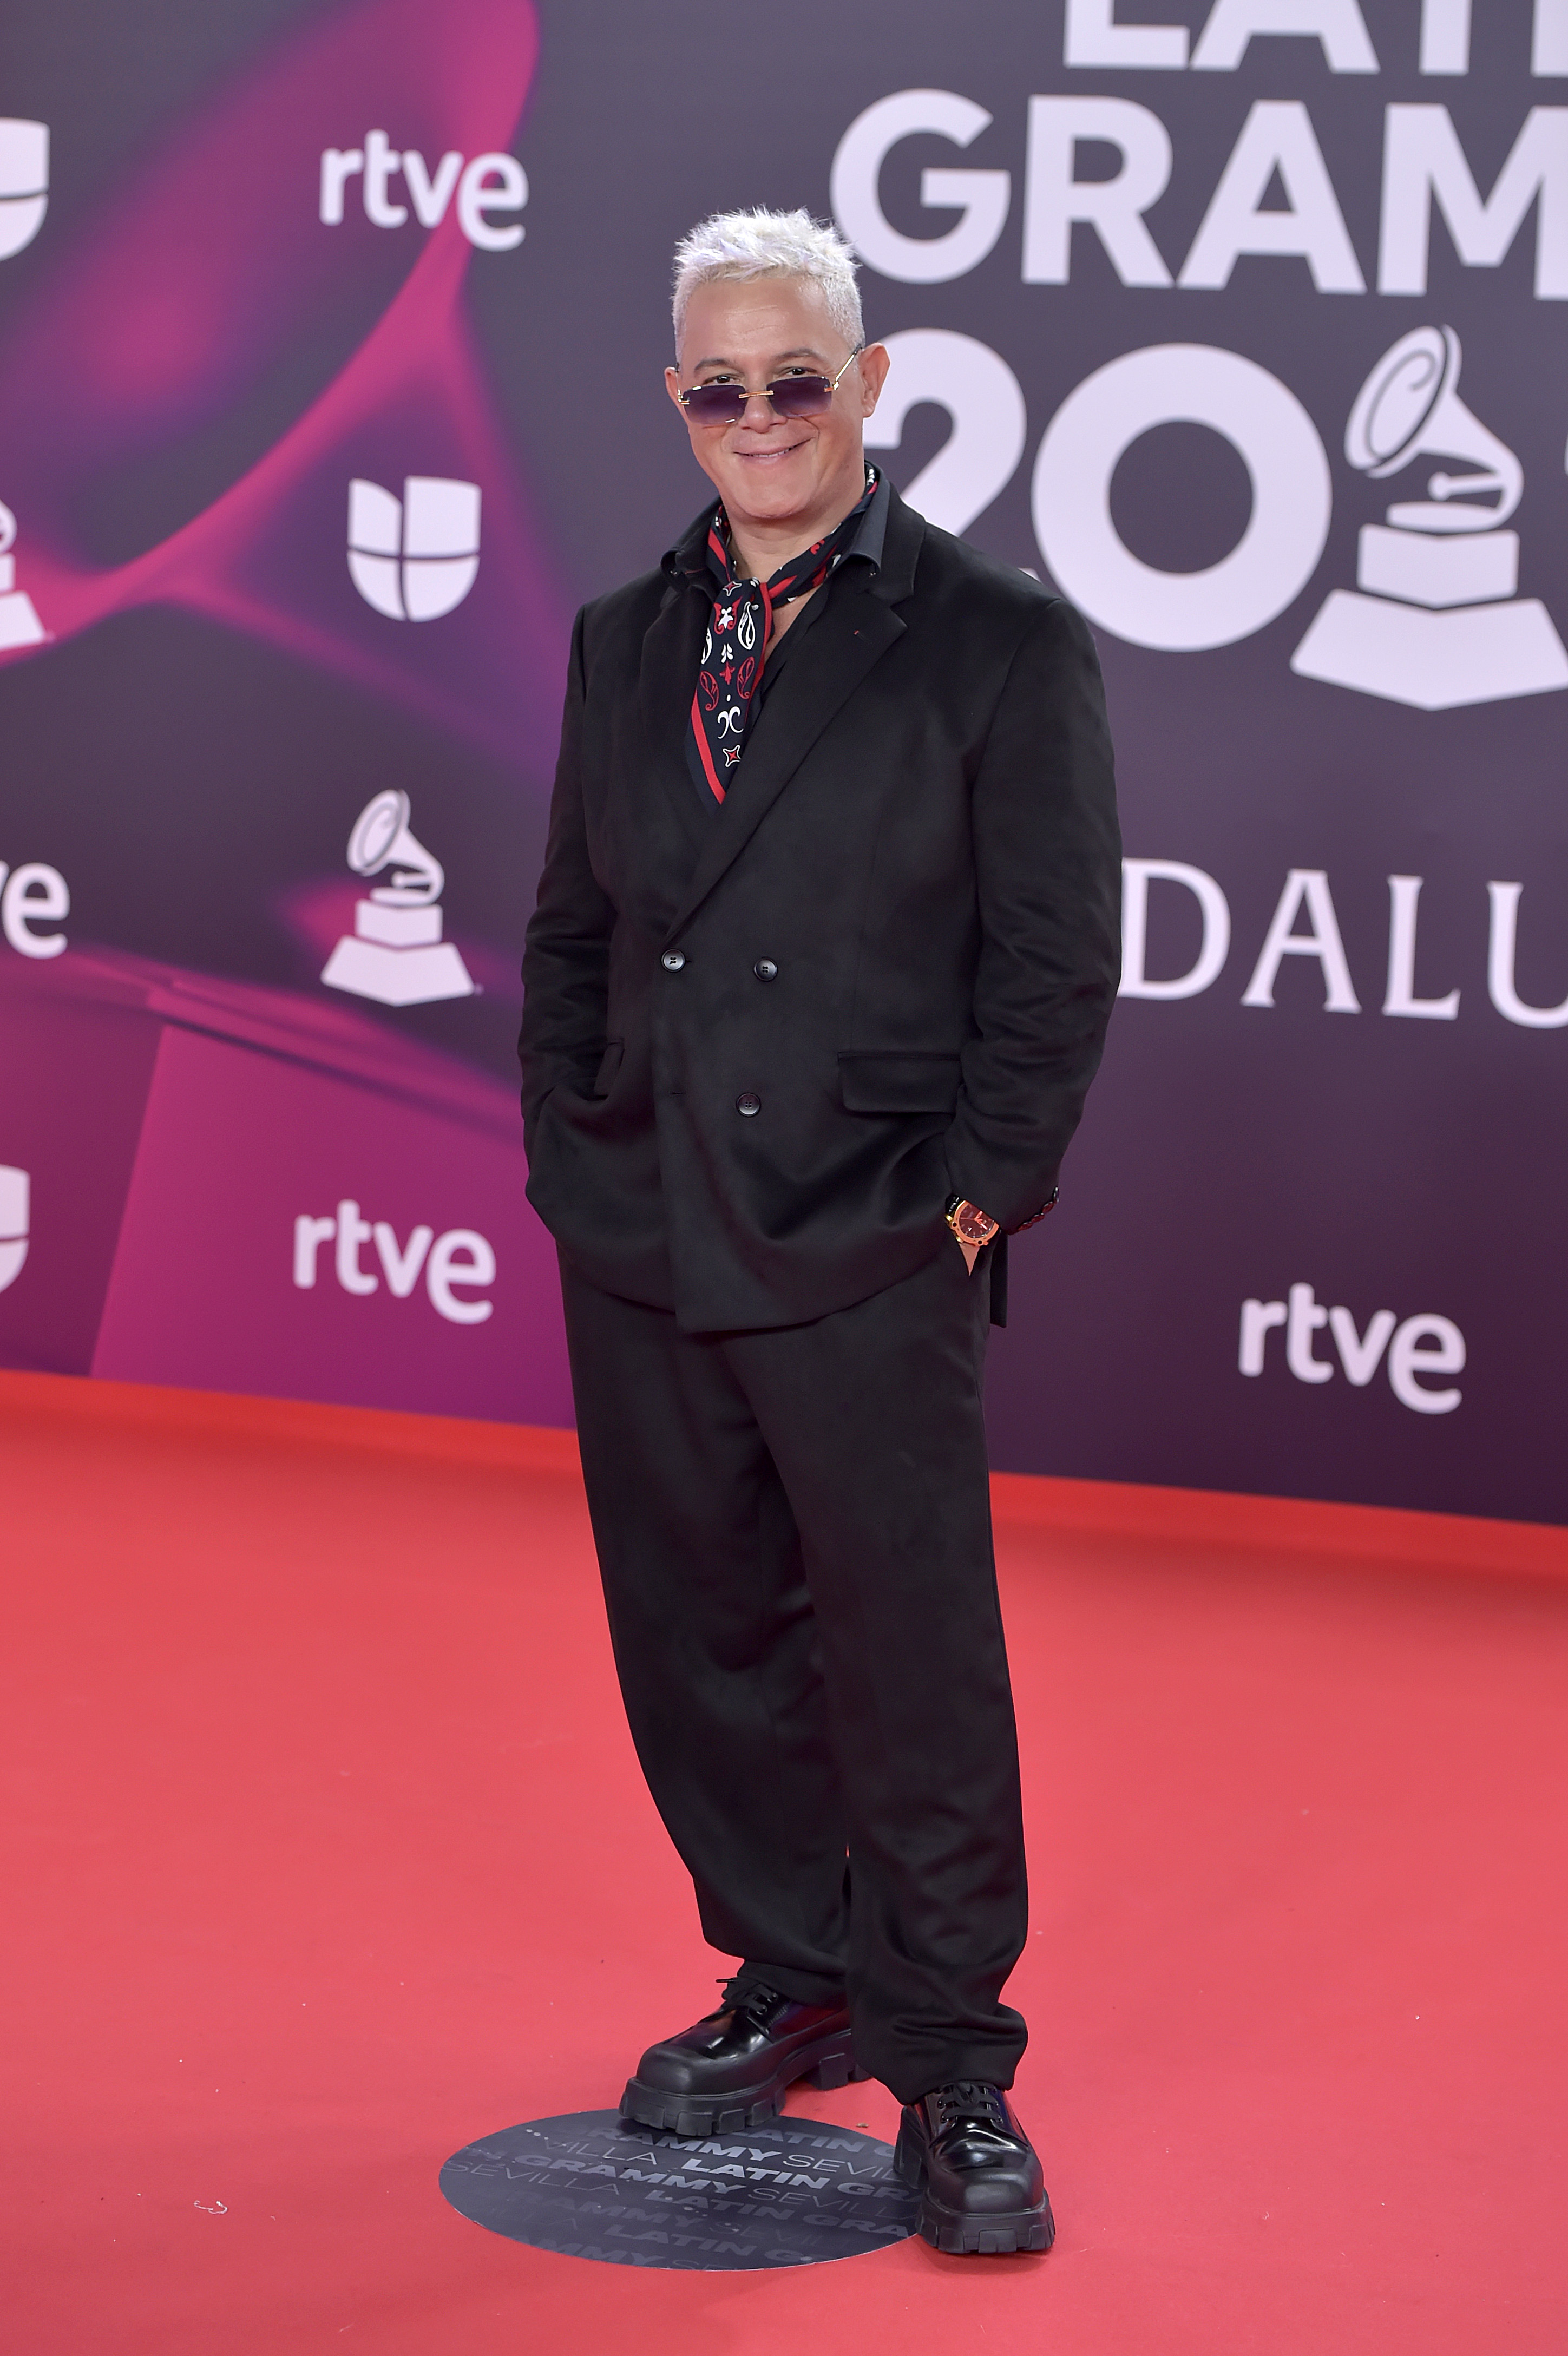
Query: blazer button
{"type": "Point", "coordinates": [765, 969]}
{"type": "Point", "coordinates": [672, 960]}
{"type": "Point", "coordinates": [748, 1104]}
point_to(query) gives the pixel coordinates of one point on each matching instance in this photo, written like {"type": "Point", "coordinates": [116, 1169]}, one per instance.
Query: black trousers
{"type": "Point", "coordinates": [794, 1531]}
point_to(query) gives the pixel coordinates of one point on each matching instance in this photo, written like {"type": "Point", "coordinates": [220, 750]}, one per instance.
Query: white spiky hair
{"type": "Point", "coordinates": [759, 244]}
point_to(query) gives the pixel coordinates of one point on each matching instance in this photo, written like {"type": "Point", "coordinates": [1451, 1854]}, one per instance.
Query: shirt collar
{"type": "Point", "coordinates": [689, 557]}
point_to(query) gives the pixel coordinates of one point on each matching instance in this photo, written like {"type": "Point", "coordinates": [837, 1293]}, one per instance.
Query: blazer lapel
{"type": "Point", "coordinates": [666, 682]}
{"type": "Point", "coordinates": [854, 632]}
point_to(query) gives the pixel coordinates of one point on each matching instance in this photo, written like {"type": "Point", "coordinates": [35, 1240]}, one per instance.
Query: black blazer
{"type": "Point", "coordinates": [896, 941]}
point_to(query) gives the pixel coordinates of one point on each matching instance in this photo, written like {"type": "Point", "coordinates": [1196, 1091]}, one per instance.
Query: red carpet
{"type": "Point", "coordinates": [326, 1851]}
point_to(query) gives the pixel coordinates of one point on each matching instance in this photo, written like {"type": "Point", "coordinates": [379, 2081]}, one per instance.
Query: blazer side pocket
{"type": "Point", "coordinates": [897, 1079]}
{"type": "Point", "coordinates": [610, 1064]}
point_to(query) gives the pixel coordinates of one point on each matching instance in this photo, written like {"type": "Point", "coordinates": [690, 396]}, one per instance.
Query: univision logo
{"type": "Point", "coordinates": [24, 182]}
{"type": "Point", "coordinates": [415, 558]}
{"type": "Point", "coordinates": [13, 1221]}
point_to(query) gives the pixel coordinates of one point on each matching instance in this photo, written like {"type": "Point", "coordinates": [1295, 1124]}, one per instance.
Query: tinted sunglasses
{"type": "Point", "coordinates": [791, 396]}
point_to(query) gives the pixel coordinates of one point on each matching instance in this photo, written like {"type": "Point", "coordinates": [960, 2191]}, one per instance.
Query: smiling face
{"type": "Point", "coordinates": [782, 479]}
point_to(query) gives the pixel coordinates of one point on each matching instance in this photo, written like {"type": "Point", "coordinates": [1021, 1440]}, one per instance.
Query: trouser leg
{"type": "Point", "coordinates": [714, 1638]}
{"type": "Point", "coordinates": [873, 1418]}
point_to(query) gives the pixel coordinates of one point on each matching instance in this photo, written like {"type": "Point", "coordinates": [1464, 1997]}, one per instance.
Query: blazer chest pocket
{"type": "Point", "coordinates": [610, 1064]}
{"type": "Point", "coordinates": [897, 1079]}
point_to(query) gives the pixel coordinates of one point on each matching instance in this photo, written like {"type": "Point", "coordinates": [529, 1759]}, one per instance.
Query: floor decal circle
{"type": "Point", "coordinates": [592, 2185]}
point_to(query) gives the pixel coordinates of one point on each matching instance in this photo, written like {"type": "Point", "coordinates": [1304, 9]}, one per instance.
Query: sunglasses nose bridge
{"type": "Point", "coordinates": [802, 398]}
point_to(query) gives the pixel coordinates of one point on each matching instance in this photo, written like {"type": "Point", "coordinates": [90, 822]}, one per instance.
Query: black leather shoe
{"type": "Point", "coordinates": [982, 2190]}
{"type": "Point", "coordinates": [732, 2069]}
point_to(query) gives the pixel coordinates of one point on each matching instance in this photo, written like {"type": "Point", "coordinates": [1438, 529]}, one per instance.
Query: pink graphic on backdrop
{"type": "Point", "coordinates": [235, 1148]}
{"type": "Point", "coordinates": [206, 270]}
{"type": "Point", "coordinates": [177, 1125]}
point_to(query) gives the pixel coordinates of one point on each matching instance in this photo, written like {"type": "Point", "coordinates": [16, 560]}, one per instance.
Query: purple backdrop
{"type": "Point", "coordinates": [330, 385]}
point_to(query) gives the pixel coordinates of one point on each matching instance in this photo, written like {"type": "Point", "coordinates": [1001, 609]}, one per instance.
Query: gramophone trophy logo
{"type": "Point", "coordinates": [395, 954]}
{"type": "Point", "coordinates": [1435, 619]}
{"type": "Point", "coordinates": [19, 623]}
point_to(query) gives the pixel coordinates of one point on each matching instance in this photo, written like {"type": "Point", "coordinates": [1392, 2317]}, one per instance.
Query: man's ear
{"type": "Point", "coordinates": [875, 362]}
{"type": "Point", "coordinates": [672, 386]}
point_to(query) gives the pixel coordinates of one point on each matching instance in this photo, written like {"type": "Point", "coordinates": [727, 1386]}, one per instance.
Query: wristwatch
{"type": "Point", "coordinates": [969, 1224]}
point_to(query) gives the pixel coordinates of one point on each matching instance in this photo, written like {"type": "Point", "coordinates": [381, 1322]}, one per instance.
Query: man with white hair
{"type": "Point", "coordinates": [823, 955]}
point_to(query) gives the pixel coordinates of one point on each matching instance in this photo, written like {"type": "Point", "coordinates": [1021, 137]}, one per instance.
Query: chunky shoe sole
{"type": "Point", "coordinates": [830, 2062]}
{"type": "Point", "coordinates": [962, 2235]}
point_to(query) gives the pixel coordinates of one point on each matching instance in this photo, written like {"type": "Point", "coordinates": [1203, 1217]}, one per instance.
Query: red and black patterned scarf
{"type": "Point", "coordinates": [725, 703]}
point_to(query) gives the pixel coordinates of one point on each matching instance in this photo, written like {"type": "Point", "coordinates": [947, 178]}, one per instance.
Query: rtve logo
{"type": "Point", "coordinates": [460, 1257]}
{"type": "Point", "coordinates": [486, 183]}
{"type": "Point", "coordinates": [24, 182]}
{"type": "Point", "coordinates": [1425, 1344]}
{"type": "Point", "coordinates": [33, 894]}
